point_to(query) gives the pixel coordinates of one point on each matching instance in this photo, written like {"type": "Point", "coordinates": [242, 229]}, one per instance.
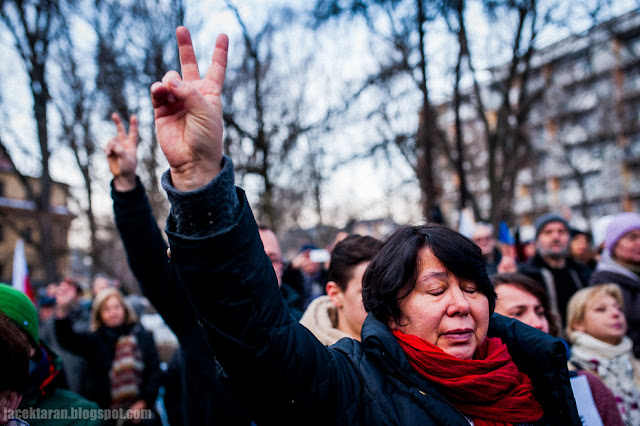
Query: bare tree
{"type": "Point", "coordinates": [499, 126]}
{"type": "Point", "coordinates": [34, 27]}
{"type": "Point", "coordinates": [266, 118]}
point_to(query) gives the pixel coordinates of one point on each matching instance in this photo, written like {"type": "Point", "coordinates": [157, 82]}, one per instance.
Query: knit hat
{"type": "Point", "coordinates": [548, 218]}
{"type": "Point", "coordinates": [620, 225]}
{"type": "Point", "coordinates": [17, 306]}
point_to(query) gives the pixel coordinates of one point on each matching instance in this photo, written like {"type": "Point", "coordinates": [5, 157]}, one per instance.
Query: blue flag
{"type": "Point", "coordinates": [504, 236]}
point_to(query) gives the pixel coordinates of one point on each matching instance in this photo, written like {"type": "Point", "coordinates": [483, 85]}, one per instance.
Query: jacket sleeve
{"type": "Point", "coordinates": [83, 344]}
{"type": "Point", "coordinates": [147, 256]}
{"type": "Point", "coordinates": [275, 363]}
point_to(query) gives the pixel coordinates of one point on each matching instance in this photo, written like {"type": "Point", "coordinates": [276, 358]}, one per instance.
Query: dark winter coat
{"type": "Point", "coordinates": [99, 347]}
{"type": "Point", "coordinates": [609, 271]}
{"type": "Point", "coordinates": [286, 375]}
{"type": "Point", "coordinates": [194, 393]}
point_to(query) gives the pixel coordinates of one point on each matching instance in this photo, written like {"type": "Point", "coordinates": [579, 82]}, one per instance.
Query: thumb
{"type": "Point", "coordinates": [193, 100]}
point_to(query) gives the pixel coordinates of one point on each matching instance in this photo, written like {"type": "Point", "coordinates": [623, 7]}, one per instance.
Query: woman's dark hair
{"type": "Point", "coordinates": [348, 254]}
{"type": "Point", "coordinates": [14, 356]}
{"type": "Point", "coordinates": [393, 272]}
{"type": "Point", "coordinates": [531, 286]}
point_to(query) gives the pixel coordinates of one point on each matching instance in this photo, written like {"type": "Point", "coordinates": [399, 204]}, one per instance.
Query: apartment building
{"type": "Point", "coordinates": [584, 128]}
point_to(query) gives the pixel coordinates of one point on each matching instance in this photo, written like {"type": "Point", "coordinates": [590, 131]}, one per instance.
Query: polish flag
{"type": "Point", "coordinates": [20, 278]}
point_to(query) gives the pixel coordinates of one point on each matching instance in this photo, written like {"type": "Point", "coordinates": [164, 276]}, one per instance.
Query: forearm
{"type": "Point", "coordinates": [147, 257]}
{"type": "Point", "coordinates": [78, 343]}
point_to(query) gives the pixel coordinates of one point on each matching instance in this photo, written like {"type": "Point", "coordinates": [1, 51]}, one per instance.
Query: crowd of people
{"type": "Point", "coordinates": [423, 327]}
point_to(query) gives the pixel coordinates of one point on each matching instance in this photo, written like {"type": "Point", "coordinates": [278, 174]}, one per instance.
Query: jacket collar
{"type": "Point", "coordinates": [607, 263]}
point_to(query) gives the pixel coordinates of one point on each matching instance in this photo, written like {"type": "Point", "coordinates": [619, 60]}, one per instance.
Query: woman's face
{"type": "Point", "coordinates": [112, 313]}
{"type": "Point", "coordinates": [627, 249]}
{"type": "Point", "coordinates": [446, 311]}
{"type": "Point", "coordinates": [604, 320]}
{"type": "Point", "coordinates": [514, 302]}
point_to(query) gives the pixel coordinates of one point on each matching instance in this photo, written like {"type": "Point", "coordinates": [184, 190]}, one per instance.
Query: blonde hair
{"type": "Point", "coordinates": [130, 316]}
{"type": "Point", "coordinates": [577, 305]}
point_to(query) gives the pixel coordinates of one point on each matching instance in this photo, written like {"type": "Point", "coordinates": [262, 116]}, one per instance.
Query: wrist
{"type": "Point", "coordinates": [124, 183]}
{"type": "Point", "coordinates": [194, 175]}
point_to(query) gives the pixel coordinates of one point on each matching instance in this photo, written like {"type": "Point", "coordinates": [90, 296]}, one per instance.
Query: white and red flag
{"type": "Point", "coordinates": [20, 278]}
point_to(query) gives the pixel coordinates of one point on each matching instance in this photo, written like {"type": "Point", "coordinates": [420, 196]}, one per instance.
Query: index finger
{"type": "Point", "coordinates": [122, 133]}
{"type": "Point", "coordinates": [188, 62]}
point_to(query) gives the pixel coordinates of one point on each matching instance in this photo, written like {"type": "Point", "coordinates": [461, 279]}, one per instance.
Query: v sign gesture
{"type": "Point", "coordinates": [122, 154]}
{"type": "Point", "coordinates": [188, 115]}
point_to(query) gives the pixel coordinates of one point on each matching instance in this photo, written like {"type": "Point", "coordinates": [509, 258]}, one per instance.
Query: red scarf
{"type": "Point", "coordinates": [489, 389]}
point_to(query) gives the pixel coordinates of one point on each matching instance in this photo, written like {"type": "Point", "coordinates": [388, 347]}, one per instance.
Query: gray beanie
{"type": "Point", "coordinates": [549, 218]}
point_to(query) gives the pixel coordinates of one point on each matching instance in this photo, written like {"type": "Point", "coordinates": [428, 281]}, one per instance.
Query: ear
{"type": "Point", "coordinates": [335, 294]}
{"type": "Point", "coordinates": [578, 326]}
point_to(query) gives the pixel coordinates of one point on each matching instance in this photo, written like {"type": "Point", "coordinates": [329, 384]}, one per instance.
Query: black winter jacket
{"type": "Point", "coordinates": [194, 393]}
{"type": "Point", "coordinates": [285, 374]}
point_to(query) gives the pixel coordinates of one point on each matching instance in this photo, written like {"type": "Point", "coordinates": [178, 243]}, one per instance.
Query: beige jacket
{"type": "Point", "coordinates": [321, 319]}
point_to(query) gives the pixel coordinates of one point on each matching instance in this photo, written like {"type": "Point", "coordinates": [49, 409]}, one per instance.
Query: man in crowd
{"type": "Point", "coordinates": [341, 312]}
{"type": "Point", "coordinates": [552, 267]}
{"type": "Point", "coordinates": [620, 264]}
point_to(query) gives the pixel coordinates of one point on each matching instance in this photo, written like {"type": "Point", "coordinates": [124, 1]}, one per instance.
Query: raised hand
{"type": "Point", "coordinates": [122, 154]}
{"type": "Point", "coordinates": [65, 298]}
{"type": "Point", "coordinates": [188, 115]}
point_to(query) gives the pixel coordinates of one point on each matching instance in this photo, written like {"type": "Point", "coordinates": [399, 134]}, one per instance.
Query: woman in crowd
{"type": "Point", "coordinates": [596, 328]}
{"type": "Point", "coordinates": [124, 370]}
{"type": "Point", "coordinates": [522, 298]}
{"type": "Point", "coordinates": [429, 353]}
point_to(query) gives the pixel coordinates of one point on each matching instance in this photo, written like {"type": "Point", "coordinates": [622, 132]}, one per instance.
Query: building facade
{"type": "Point", "coordinates": [19, 218]}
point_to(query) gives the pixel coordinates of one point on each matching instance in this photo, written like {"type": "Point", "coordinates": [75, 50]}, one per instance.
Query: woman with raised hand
{"type": "Point", "coordinates": [124, 369]}
{"type": "Point", "coordinates": [430, 354]}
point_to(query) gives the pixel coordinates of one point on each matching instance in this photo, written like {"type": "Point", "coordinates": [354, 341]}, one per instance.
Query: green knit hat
{"type": "Point", "coordinates": [17, 306]}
